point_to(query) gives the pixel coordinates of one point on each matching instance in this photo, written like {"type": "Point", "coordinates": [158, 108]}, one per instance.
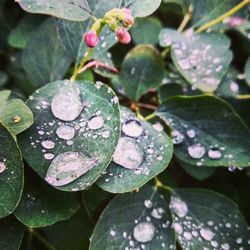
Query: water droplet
{"type": "Point", "coordinates": [178, 207]}
{"type": "Point", "coordinates": [65, 132]}
{"type": "Point", "coordinates": [105, 134]}
{"type": "Point", "coordinates": [16, 118]}
{"type": "Point", "coordinates": [157, 213]}
{"type": "Point", "coordinates": [196, 151]}
{"type": "Point", "coordinates": [178, 137]}
{"type": "Point", "coordinates": [191, 133]}
{"type": "Point", "coordinates": [67, 167]}
{"type": "Point", "coordinates": [158, 127]}
{"type": "Point", "coordinates": [128, 153]}
{"type": "Point", "coordinates": [48, 156]}
{"type": "Point", "coordinates": [225, 246]}
{"type": "Point", "coordinates": [66, 104]}
{"type": "Point", "coordinates": [48, 144]}
{"type": "Point", "coordinates": [144, 232]}
{"type": "Point", "coordinates": [148, 203]}
{"type": "Point", "coordinates": [96, 122]}
{"type": "Point", "coordinates": [112, 233]}
{"type": "Point", "coordinates": [178, 228]}
{"type": "Point", "coordinates": [2, 167]}
{"type": "Point", "coordinates": [132, 128]}
{"type": "Point", "coordinates": [188, 235]}
{"type": "Point", "coordinates": [206, 234]}
{"type": "Point", "coordinates": [214, 153]}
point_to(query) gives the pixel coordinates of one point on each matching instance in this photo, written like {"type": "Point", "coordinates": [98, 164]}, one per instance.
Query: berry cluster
{"type": "Point", "coordinates": [118, 21]}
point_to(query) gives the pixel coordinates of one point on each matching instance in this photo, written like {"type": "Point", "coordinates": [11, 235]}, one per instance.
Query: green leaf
{"type": "Point", "coordinates": [146, 30]}
{"type": "Point", "coordinates": [81, 10]}
{"type": "Point", "coordinates": [143, 151]}
{"type": "Point", "coordinates": [206, 131]}
{"type": "Point", "coordinates": [135, 220]}
{"type": "Point", "coordinates": [11, 233]}
{"type": "Point", "coordinates": [20, 36]}
{"type": "Point", "coordinates": [168, 90]}
{"type": "Point", "coordinates": [71, 38]}
{"type": "Point", "coordinates": [142, 69]}
{"type": "Point", "coordinates": [71, 234]}
{"type": "Point", "coordinates": [247, 71]}
{"type": "Point", "coordinates": [11, 173]}
{"type": "Point", "coordinates": [41, 205]}
{"type": "Point", "coordinates": [14, 114]}
{"type": "Point", "coordinates": [44, 59]}
{"type": "Point", "coordinates": [74, 135]}
{"type": "Point", "coordinates": [204, 219]}
{"type": "Point", "coordinates": [203, 59]}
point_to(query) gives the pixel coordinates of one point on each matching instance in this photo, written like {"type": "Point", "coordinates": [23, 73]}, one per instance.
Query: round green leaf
{"type": "Point", "coordinates": [14, 114]}
{"type": "Point", "coordinates": [11, 173]}
{"type": "Point", "coordinates": [74, 135]}
{"type": "Point", "coordinates": [142, 69]}
{"type": "Point", "coordinates": [11, 233]}
{"type": "Point", "coordinates": [203, 59]}
{"type": "Point", "coordinates": [136, 220]}
{"type": "Point", "coordinates": [41, 205]}
{"type": "Point", "coordinates": [126, 173]}
{"type": "Point", "coordinates": [203, 219]}
{"type": "Point", "coordinates": [206, 131]}
{"type": "Point", "coordinates": [146, 30]}
{"type": "Point", "coordinates": [247, 71]}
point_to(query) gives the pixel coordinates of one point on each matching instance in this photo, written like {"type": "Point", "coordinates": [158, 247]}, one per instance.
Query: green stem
{"type": "Point", "coordinates": [224, 16]}
{"type": "Point", "coordinates": [41, 239]}
{"type": "Point", "coordinates": [149, 117]}
{"type": "Point", "coordinates": [186, 19]}
{"type": "Point", "coordinates": [85, 59]}
{"type": "Point", "coordinates": [158, 184]}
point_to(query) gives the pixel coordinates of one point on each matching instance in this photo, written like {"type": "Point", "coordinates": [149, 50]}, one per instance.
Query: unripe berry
{"type": "Point", "coordinates": [91, 39]}
{"type": "Point", "coordinates": [235, 21]}
{"type": "Point", "coordinates": [123, 36]}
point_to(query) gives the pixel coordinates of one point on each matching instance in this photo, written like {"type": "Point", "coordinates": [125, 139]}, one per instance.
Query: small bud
{"type": "Point", "coordinates": [235, 21]}
{"type": "Point", "coordinates": [128, 21]}
{"type": "Point", "coordinates": [91, 39]}
{"type": "Point", "coordinates": [123, 36]}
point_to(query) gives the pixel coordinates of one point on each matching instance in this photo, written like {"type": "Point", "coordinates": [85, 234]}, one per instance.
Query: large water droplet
{"type": "Point", "coordinates": [96, 122]}
{"type": "Point", "coordinates": [128, 153]}
{"type": "Point", "coordinates": [196, 151]}
{"type": "Point", "coordinates": [132, 128]}
{"type": "Point", "coordinates": [67, 167]}
{"type": "Point", "coordinates": [206, 234]}
{"type": "Point", "coordinates": [157, 213]}
{"type": "Point", "coordinates": [178, 207]}
{"type": "Point", "coordinates": [66, 104]}
{"type": "Point", "coordinates": [65, 132]}
{"type": "Point", "coordinates": [2, 167]}
{"type": "Point", "coordinates": [214, 153]}
{"type": "Point", "coordinates": [48, 144]}
{"type": "Point", "coordinates": [177, 137]}
{"type": "Point", "coordinates": [144, 232]}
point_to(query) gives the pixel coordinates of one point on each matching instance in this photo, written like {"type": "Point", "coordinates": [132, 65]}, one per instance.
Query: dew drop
{"type": "Point", "coordinates": [132, 128]}
{"type": "Point", "coordinates": [206, 234]}
{"type": "Point", "coordinates": [16, 118]}
{"type": "Point", "coordinates": [105, 134]}
{"type": "Point", "coordinates": [178, 137]}
{"type": "Point", "coordinates": [178, 207]}
{"type": "Point", "coordinates": [148, 203]}
{"type": "Point", "coordinates": [128, 154]}
{"type": "Point", "coordinates": [191, 133]}
{"type": "Point", "coordinates": [67, 167]}
{"type": "Point", "coordinates": [48, 156]}
{"type": "Point", "coordinates": [214, 153]}
{"type": "Point", "coordinates": [196, 151]}
{"type": "Point", "coordinates": [178, 228]}
{"type": "Point", "coordinates": [65, 132]}
{"type": "Point", "coordinates": [144, 232]}
{"type": "Point", "coordinates": [48, 144]}
{"type": "Point", "coordinates": [66, 104]}
{"type": "Point", "coordinates": [157, 213]}
{"type": "Point", "coordinates": [96, 122]}
{"type": "Point", "coordinates": [2, 167]}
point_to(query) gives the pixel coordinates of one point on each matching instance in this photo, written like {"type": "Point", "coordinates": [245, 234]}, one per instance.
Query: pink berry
{"type": "Point", "coordinates": [235, 21]}
{"type": "Point", "coordinates": [129, 20]}
{"type": "Point", "coordinates": [91, 39]}
{"type": "Point", "coordinates": [123, 36]}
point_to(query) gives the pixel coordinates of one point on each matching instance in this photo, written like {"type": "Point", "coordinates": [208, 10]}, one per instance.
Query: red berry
{"type": "Point", "coordinates": [91, 39]}
{"type": "Point", "coordinates": [123, 36]}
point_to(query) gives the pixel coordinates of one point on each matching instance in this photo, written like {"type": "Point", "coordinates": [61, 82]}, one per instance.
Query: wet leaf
{"type": "Point", "coordinates": [141, 70]}
{"type": "Point", "coordinates": [44, 59]}
{"type": "Point", "coordinates": [206, 131]}
{"type": "Point", "coordinates": [168, 37]}
{"type": "Point", "coordinates": [145, 223]}
{"type": "Point", "coordinates": [203, 219]}
{"type": "Point", "coordinates": [143, 152]}
{"type": "Point", "coordinates": [14, 114]}
{"type": "Point", "coordinates": [11, 233]}
{"type": "Point", "coordinates": [11, 173]}
{"type": "Point", "coordinates": [3, 79]}
{"type": "Point", "coordinates": [74, 135]}
{"type": "Point", "coordinates": [41, 205]}
{"type": "Point", "coordinates": [247, 71]}
{"type": "Point", "coordinates": [203, 59]}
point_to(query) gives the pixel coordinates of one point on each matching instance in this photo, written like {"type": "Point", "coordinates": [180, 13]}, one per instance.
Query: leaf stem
{"type": "Point", "coordinates": [224, 16]}
{"type": "Point", "coordinates": [82, 63]}
{"type": "Point", "coordinates": [243, 97]}
{"type": "Point", "coordinates": [41, 239]}
{"type": "Point", "coordinates": [149, 117]}
{"type": "Point", "coordinates": [158, 184]}
{"type": "Point", "coordinates": [186, 19]}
